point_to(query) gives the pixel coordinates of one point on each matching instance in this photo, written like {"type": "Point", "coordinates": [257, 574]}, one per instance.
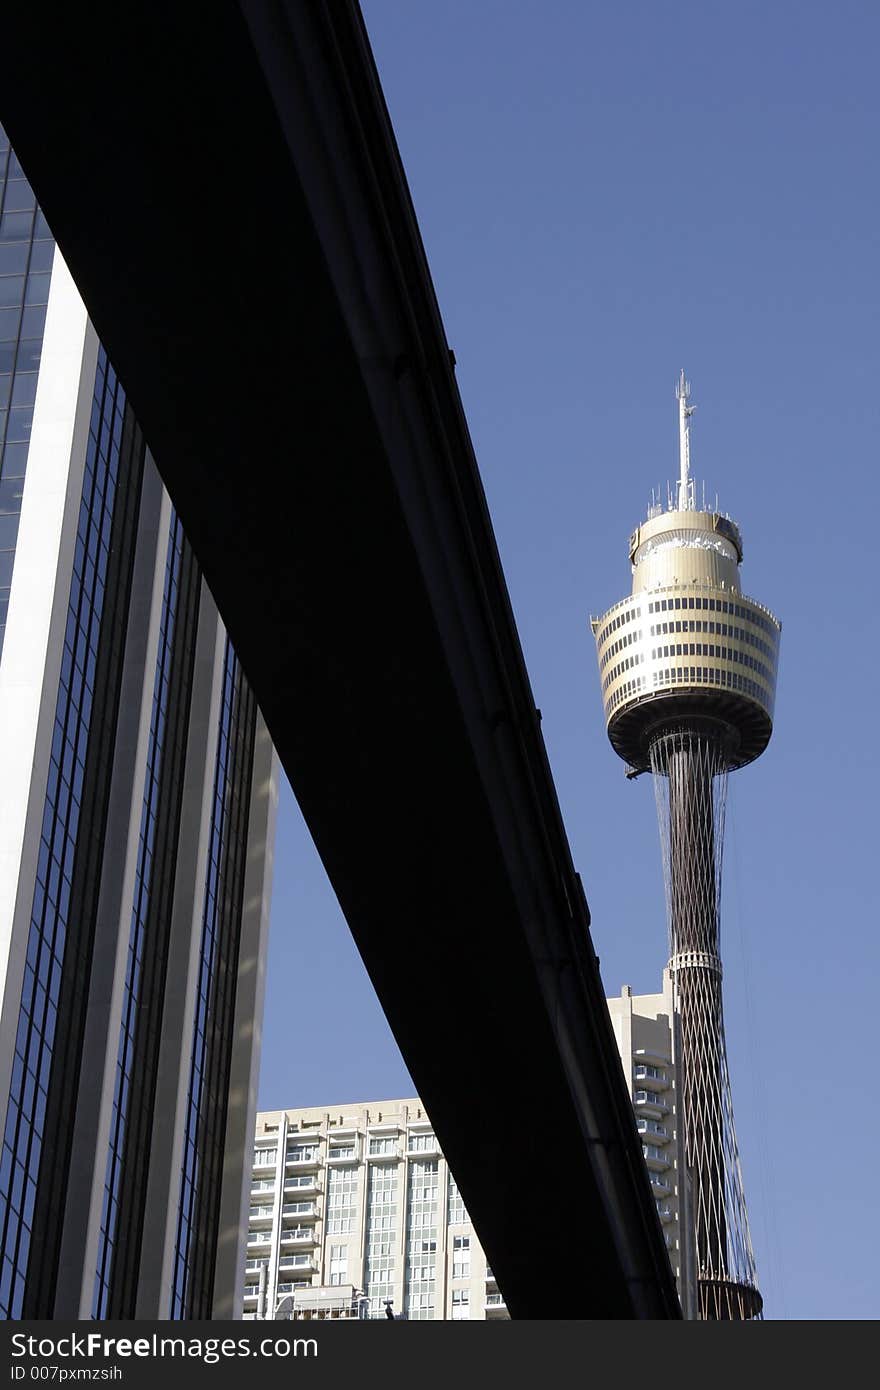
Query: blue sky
{"type": "Point", "coordinates": [608, 193]}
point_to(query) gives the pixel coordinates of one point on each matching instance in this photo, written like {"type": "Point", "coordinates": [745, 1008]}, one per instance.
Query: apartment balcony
{"type": "Point", "coordinates": [422, 1146]}
{"type": "Point", "coordinates": [652, 1130]}
{"type": "Point", "coordinates": [659, 1184]}
{"type": "Point", "coordinates": [297, 1264]}
{"type": "Point", "coordinates": [295, 1162]}
{"type": "Point", "coordinates": [303, 1211]}
{"type": "Point", "coordinates": [299, 1235]}
{"type": "Point", "coordinates": [651, 1101]}
{"type": "Point", "coordinates": [301, 1184]}
{"type": "Point", "coordinates": [389, 1155]}
{"type": "Point", "coordinates": [260, 1216]}
{"type": "Point", "coordinates": [259, 1240]}
{"type": "Point", "coordinates": [655, 1077]}
{"type": "Point", "coordinates": [657, 1163]}
{"type": "Point", "coordinates": [264, 1162]}
{"type": "Point", "coordinates": [343, 1153]}
{"type": "Point", "coordinates": [251, 1293]}
{"type": "Point", "coordinates": [645, 1054]}
{"type": "Point", "coordinates": [495, 1306]}
{"type": "Point", "coordinates": [665, 1212]}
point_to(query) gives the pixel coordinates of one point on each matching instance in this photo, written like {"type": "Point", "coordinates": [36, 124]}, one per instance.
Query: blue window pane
{"type": "Point", "coordinates": [14, 257]}
{"type": "Point", "coordinates": [16, 226]}
{"type": "Point", "coordinates": [37, 289]}
{"type": "Point", "coordinates": [18, 428]}
{"type": "Point", "coordinates": [9, 321]}
{"type": "Point", "coordinates": [29, 353]}
{"type": "Point", "coordinates": [42, 255]}
{"type": "Point", "coordinates": [33, 321]}
{"type": "Point", "coordinates": [11, 289]}
{"type": "Point", "coordinates": [24, 389]}
{"type": "Point", "coordinates": [19, 196]}
{"type": "Point", "coordinates": [8, 532]}
{"type": "Point", "coordinates": [14, 460]}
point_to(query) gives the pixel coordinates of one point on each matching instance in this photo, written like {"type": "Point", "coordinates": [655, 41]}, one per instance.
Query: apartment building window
{"type": "Point", "coordinates": [341, 1200]}
{"type": "Point", "coordinates": [461, 1305]}
{"type": "Point", "coordinates": [301, 1153]}
{"type": "Point", "coordinates": [264, 1156]}
{"type": "Point", "coordinates": [423, 1181]}
{"type": "Point", "coordinates": [338, 1264]}
{"type": "Point", "coordinates": [381, 1240]}
{"type": "Point", "coordinates": [383, 1144]}
{"type": "Point", "coordinates": [461, 1257]}
{"type": "Point", "coordinates": [421, 1143]}
{"type": "Point", "coordinates": [421, 1239]}
{"type": "Point", "coordinates": [342, 1151]}
{"type": "Point", "coordinates": [456, 1214]}
{"type": "Point", "coordinates": [420, 1306]}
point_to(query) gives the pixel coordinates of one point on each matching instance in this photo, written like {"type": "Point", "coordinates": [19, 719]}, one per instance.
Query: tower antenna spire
{"type": "Point", "coordinates": [685, 411]}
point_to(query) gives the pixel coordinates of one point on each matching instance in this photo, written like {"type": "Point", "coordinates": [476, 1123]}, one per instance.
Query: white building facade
{"type": "Point", "coordinates": [360, 1197]}
{"type": "Point", "coordinates": [644, 1029]}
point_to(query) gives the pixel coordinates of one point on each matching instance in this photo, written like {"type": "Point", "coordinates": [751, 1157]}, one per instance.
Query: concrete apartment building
{"type": "Point", "coordinates": [360, 1198]}
{"type": "Point", "coordinates": [354, 1206]}
{"type": "Point", "coordinates": [643, 1030]}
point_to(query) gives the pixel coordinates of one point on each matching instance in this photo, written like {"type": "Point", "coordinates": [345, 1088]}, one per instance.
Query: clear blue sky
{"type": "Point", "coordinates": [608, 193]}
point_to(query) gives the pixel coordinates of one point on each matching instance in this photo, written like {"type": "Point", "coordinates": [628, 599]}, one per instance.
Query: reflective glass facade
{"type": "Point", "coordinates": [110, 851]}
{"type": "Point", "coordinates": [48, 936]}
{"type": "Point", "coordinates": [180, 1297]}
{"type": "Point", "coordinates": [138, 926]}
{"type": "Point", "coordinates": [26, 251]}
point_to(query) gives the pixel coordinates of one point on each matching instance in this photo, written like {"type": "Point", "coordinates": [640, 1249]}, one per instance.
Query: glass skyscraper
{"type": "Point", "coordinates": [137, 796]}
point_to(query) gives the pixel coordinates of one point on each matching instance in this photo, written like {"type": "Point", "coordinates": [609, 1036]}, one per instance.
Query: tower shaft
{"type": "Point", "coordinates": [690, 766]}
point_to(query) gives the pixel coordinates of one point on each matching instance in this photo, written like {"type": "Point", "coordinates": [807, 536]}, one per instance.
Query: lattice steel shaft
{"type": "Point", "coordinates": [690, 779]}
